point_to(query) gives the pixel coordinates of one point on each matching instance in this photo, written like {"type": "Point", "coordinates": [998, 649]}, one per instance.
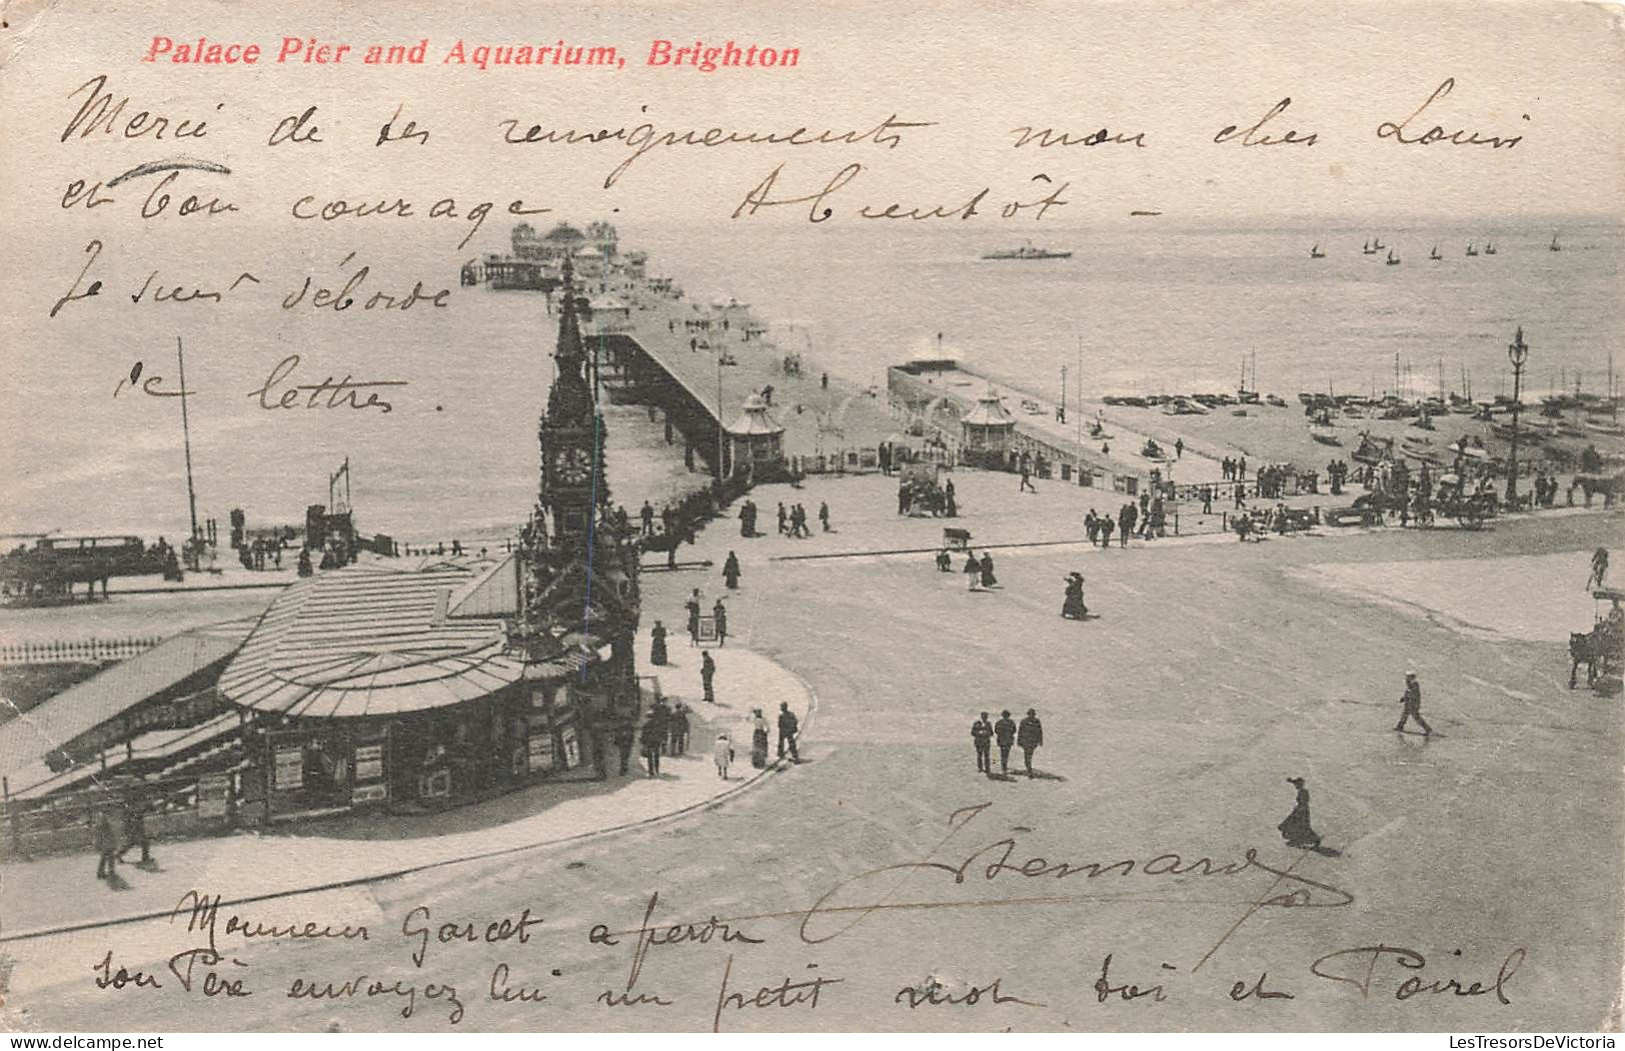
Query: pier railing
{"type": "Point", "coordinates": [75, 652]}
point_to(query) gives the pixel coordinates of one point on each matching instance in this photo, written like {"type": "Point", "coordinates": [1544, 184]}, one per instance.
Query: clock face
{"type": "Point", "coordinates": [572, 466]}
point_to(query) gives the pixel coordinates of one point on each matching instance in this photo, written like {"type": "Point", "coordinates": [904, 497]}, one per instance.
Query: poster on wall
{"type": "Point", "coordinates": [369, 763]}
{"type": "Point", "coordinates": [290, 768]}
{"type": "Point", "coordinates": [541, 751]}
{"type": "Point", "coordinates": [213, 796]}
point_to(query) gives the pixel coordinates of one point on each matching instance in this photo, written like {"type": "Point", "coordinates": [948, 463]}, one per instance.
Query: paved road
{"type": "Point", "coordinates": [1213, 674]}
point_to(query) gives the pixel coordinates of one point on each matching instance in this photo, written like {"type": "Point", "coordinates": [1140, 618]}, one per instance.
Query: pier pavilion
{"type": "Point", "coordinates": [755, 442]}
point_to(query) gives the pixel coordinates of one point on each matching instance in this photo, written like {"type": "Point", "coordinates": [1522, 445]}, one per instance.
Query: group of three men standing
{"type": "Point", "coordinates": [1029, 735]}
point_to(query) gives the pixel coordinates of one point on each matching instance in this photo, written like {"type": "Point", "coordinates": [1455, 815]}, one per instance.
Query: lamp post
{"type": "Point", "coordinates": [1517, 354]}
{"type": "Point", "coordinates": [720, 436]}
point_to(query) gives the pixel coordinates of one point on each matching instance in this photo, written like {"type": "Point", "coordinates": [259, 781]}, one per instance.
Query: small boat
{"type": "Point", "coordinates": [1027, 251]}
{"type": "Point", "coordinates": [1435, 256]}
{"type": "Point", "coordinates": [1554, 246]}
{"type": "Point", "coordinates": [1326, 438]}
{"type": "Point", "coordinates": [1489, 248]}
{"type": "Point", "coordinates": [1316, 253]}
{"type": "Point", "coordinates": [1471, 251]}
{"type": "Point", "coordinates": [1392, 260]}
{"type": "Point", "coordinates": [1367, 249]}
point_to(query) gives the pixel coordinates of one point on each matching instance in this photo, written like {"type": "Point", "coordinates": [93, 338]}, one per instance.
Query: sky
{"type": "Point", "coordinates": [1176, 73]}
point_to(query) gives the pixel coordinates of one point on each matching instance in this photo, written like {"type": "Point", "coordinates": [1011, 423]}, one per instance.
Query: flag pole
{"type": "Point", "coordinates": [186, 437]}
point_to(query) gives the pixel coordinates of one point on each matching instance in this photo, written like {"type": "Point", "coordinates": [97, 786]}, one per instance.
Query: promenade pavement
{"type": "Point", "coordinates": [56, 892]}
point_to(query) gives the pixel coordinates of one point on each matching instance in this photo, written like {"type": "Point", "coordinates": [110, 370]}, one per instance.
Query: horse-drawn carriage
{"type": "Point", "coordinates": [1469, 507]}
{"type": "Point", "coordinates": [923, 493]}
{"type": "Point", "coordinates": [1602, 649]}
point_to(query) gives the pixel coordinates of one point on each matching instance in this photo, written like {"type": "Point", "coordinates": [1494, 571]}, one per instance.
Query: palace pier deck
{"type": "Point", "coordinates": [696, 364]}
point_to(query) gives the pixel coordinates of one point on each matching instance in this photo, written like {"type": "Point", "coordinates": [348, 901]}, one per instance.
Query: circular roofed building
{"type": "Point", "coordinates": [444, 680]}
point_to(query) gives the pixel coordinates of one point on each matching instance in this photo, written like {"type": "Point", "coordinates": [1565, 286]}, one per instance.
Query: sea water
{"type": "Point", "coordinates": [1139, 309]}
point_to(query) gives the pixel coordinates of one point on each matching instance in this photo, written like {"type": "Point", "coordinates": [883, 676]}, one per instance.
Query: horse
{"type": "Point", "coordinates": [1609, 486]}
{"type": "Point", "coordinates": [1584, 648]}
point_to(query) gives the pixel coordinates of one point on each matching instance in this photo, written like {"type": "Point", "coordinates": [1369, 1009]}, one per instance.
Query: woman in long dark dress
{"type": "Point", "coordinates": [759, 731]}
{"type": "Point", "coordinates": [988, 579]}
{"type": "Point", "coordinates": [730, 571]}
{"type": "Point", "coordinates": [1296, 829]}
{"type": "Point", "coordinates": [657, 644]}
{"type": "Point", "coordinates": [1073, 607]}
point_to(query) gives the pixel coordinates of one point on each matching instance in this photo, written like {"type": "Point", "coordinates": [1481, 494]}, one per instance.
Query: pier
{"type": "Point", "coordinates": [696, 363]}
{"type": "Point", "coordinates": [936, 394]}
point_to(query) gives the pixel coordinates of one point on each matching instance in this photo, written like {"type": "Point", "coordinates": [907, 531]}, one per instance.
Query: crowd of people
{"type": "Point", "coordinates": [1146, 519]}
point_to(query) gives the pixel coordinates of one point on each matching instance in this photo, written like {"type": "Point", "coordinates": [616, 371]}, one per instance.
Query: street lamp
{"type": "Point", "coordinates": [1517, 354]}
{"type": "Point", "coordinates": [720, 437]}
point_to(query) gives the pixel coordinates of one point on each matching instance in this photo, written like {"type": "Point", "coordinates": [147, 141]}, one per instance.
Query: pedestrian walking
{"type": "Point", "coordinates": [654, 742]}
{"type": "Point", "coordinates": [760, 731]}
{"type": "Point", "coordinates": [622, 733]}
{"type": "Point", "coordinates": [1125, 523]}
{"type": "Point", "coordinates": [952, 507]}
{"type": "Point", "coordinates": [1412, 701]}
{"type": "Point", "coordinates": [677, 736]}
{"type": "Point", "coordinates": [1295, 828]}
{"type": "Point", "coordinates": [973, 571]}
{"type": "Point", "coordinates": [693, 607]}
{"type": "Point", "coordinates": [1106, 532]}
{"type": "Point", "coordinates": [823, 515]}
{"type": "Point", "coordinates": [1072, 606]}
{"type": "Point", "coordinates": [1026, 480]}
{"type": "Point", "coordinates": [105, 838]}
{"type": "Point", "coordinates": [981, 735]}
{"type": "Point", "coordinates": [730, 571]}
{"type": "Point", "coordinates": [789, 726]}
{"type": "Point", "coordinates": [1004, 732]}
{"type": "Point", "coordinates": [722, 754]}
{"type": "Point", "coordinates": [657, 644]}
{"type": "Point", "coordinates": [647, 515]}
{"type": "Point", "coordinates": [1091, 526]}
{"type": "Point", "coordinates": [135, 831]}
{"type": "Point", "coordinates": [708, 672]}
{"type": "Point", "coordinates": [988, 579]}
{"type": "Point", "coordinates": [945, 561]}
{"type": "Point", "coordinates": [719, 613]}
{"type": "Point", "coordinates": [1207, 499]}
{"type": "Point", "coordinates": [784, 520]}
{"type": "Point", "coordinates": [1179, 448]}
{"type": "Point", "coordinates": [1029, 736]}
{"type": "Point", "coordinates": [1599, 568]}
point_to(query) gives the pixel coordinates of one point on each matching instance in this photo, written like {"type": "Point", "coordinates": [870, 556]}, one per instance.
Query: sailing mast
{"type": "Point", "coordinates": [186, 437]}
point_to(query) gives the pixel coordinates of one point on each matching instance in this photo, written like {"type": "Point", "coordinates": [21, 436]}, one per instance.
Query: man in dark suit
{"type": "Point", "coordinates": [1413, 705]}
{"type": "Point", "coordinates": [788, 726]}
{"type": "Point", "coordinates": [1030, 736]}
{"type": "Point", "coordinates": [1004, 731]}
{"type": "Point", "coordinates": [981, 732]}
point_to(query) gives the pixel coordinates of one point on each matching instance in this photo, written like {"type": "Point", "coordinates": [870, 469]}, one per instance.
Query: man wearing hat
{"type": "Point", "coordinates": [981, 734]}
{"type": "Point", "coordinates": [1413, 705]}
{"type": "Point", "coordinates": [1004, 731]}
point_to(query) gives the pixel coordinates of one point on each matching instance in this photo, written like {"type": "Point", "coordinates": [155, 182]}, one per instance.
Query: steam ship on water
{"type": "Point", "coordinates": [1027, 251]}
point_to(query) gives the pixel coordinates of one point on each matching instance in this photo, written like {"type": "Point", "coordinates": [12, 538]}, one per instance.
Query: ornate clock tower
{"type": "Point", "coordinates": [578, 560]}
{"type": "Point", "coordinates": [573, 492]}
